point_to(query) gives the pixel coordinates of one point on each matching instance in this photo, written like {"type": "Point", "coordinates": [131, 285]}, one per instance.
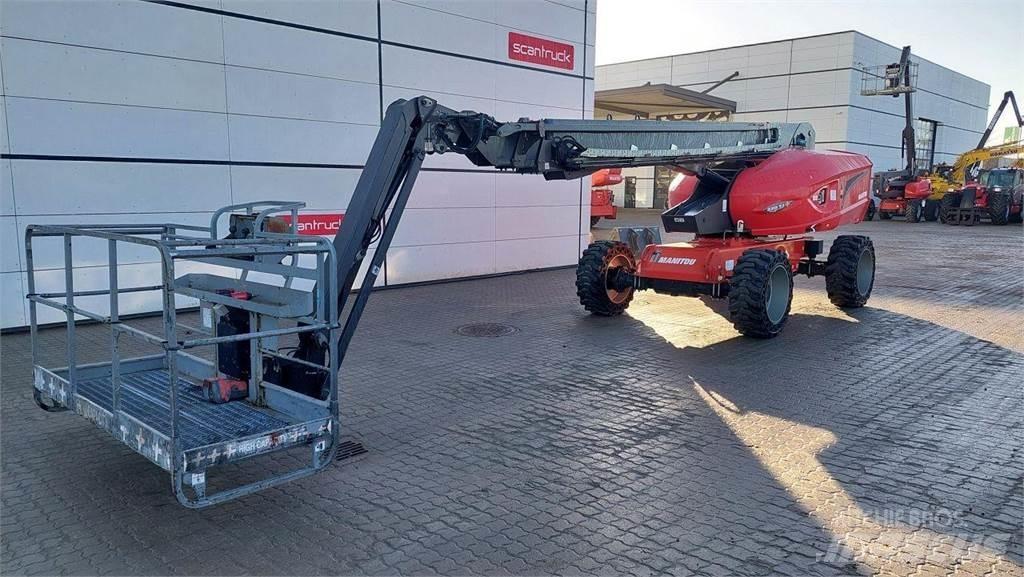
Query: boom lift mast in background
{"type": "Point", "coordinates": [900, 191]}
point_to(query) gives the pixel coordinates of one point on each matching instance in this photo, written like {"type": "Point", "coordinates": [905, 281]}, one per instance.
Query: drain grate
{"type": "Point", "coordinates": [349, 448]}
{"type": "Point", "coordinates": [486, 330]}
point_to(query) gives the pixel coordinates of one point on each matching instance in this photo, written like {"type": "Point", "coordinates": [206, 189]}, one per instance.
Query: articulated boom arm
{"type": "Point", "coordinates": [558, 149]}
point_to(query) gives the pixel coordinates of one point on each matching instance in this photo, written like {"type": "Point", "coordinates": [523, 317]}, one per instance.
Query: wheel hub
{"type": "Point", "coordinates": [778, 293]}
{"type": "Point", "coordinates": [865, 272]}
{"type": "Point", "coordinates": [618, 270]}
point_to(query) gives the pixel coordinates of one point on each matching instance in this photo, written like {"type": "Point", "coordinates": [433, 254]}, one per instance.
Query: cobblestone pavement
{"type": "Point", "coordinates": [885, 440]}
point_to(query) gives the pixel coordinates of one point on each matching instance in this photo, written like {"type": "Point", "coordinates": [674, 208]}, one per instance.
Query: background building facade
{"type": "Point", "coordinates": [138, 111]}
{"type": "Point", "coordinates": [817, 79]}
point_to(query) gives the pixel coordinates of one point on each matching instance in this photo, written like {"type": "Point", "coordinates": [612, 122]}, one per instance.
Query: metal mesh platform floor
{"type": "Point", "coordinates": [145, 396]}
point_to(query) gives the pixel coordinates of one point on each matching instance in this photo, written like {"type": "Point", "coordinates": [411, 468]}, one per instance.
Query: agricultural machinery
{"type": "Point", "coordinates": [995, 195]}
{"type": "Point", "coordinates": [967, 167]}
{"type": "Point", "coordinates": [278, 310]}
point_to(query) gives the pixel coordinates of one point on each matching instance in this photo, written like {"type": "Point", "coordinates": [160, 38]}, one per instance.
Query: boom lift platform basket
{"type": "Point", "coordinates": [153, 403]}
{"type": "Point", "coordinates": [889, 79]}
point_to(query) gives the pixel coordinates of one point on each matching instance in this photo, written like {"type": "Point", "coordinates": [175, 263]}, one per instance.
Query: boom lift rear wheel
{"type": "Point", "coordinates": [760, 293]}
{"type": "Point", "coordinates": [598, 283]}
{"type": "Point", "coordinates": [850, 271]}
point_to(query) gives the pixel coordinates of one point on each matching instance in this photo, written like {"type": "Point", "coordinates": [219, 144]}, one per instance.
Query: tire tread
{"type": "Point", "coordinates": [841, 271]}
{"type": "Point", "coordinates": [590, 278]}
{"type": "Point", "coordinates": [747, 308]}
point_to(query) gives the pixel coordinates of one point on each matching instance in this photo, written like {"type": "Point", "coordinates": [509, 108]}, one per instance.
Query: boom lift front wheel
{"type": "Point", "coordinates": [850, 271]}
{"type": "Point", "coordinates": [760, 293]}
{"type": "Point", "coordinates": [602, 275]}
{"type": "Point", "coordinates": [913, 211]}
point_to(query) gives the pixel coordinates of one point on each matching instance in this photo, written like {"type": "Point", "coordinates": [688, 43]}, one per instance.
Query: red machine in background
{"type": "Point", "coordinates": [997, 194]}
{"type": "Point", "coordinates": [899, 195]}
{"type": "Point", "coordinates": [602, 200]}
{"type": "Point", "coordinates": [748, 215]}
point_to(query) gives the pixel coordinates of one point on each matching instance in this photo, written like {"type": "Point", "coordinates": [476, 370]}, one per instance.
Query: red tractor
{"type": "Point", "coordinates": [996, 195]}
{"type": "Point", "coordinates": [749, 216]}
{"type": "Point", "coordinates": [602, 199]}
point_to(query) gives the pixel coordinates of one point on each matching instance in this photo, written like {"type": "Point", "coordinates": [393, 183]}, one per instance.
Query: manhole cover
{"type": "Point", "coordinates": [349, 448]}
{"type": "Point", "coordinates": [486, 330]}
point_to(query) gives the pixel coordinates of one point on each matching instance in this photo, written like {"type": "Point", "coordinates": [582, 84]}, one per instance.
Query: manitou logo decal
{"type": "Point", "coordinates": [540, 51]}
{"type": "Point", "coordinates": [318, 224]}
{"type": "Point", "coordinates": [676, 260]}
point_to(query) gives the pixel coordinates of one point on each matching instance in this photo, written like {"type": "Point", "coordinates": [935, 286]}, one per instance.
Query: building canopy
{"type": "Point", "coordinates": [661, 102]}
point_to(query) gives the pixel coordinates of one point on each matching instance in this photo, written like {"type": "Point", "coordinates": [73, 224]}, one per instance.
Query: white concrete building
{"type": "Point", "coordinates": [137, 111]}
{"type": "Point", "coordinates": [817, 79]}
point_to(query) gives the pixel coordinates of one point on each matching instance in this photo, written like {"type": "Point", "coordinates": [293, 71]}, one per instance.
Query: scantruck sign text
{"type": "Point", "coordinates": [540, 51]}
{"type": "Point", "coordinates": [318, 224]}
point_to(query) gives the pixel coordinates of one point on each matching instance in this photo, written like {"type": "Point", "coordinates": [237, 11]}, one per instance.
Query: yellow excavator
{"type": "Point", "coordinates": [946, 178]}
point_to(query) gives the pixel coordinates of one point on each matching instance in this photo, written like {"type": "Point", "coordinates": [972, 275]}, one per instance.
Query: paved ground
{"type": "Point", "coordinates": [887, 440]}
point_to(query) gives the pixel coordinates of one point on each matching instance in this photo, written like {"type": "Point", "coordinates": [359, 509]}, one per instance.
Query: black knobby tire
{"type": "Point", "coordinates": [850, 271]}
{"type": "Point", "coordinates": [594, 220]}
{"type": "Point", "coordinates": [884, 215]}
{"type": "Point", "coordinates": [592, 277]}
{"type": "Point", "coordinates": [912, 212]}
{"type": "Point", "coordinates": [949, 201]}
{"type": "Point", "coordinates": [999, 208]}
{"type": "Point", "coordinates": [759, 301]}
{"type": "Point", "coordinates": [931, 211]}
{"type": "Point", "coordinates": [869, 211]}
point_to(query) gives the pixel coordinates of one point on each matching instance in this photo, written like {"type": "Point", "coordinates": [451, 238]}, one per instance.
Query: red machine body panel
{"type": "Point", "coordinates": [601, 203]}
{"type": "Point", "coordinates": [709, 260]}
{"type": "Point", "coordinates": [681, 188]}
{"type": "Point", "coordinates": [918, 189]}
{"type": "Point", "coordinates": [602, 199]}
{"type": "Point", "coordinates": [893, 205]}
{"type": "Point", "coordinates": [606, 177]}
{"type": "Point", "coordinates": [796, 191]}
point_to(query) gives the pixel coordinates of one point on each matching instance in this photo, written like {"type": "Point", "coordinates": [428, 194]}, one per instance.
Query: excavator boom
{"type": "Point", "coordinates": [1007, 97]}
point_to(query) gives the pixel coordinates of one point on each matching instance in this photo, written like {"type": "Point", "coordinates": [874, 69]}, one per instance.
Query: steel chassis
{"type": "Point", "coordinates": [150, 402]}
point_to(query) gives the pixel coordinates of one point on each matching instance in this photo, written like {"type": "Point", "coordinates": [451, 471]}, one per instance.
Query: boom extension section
{"type": "Point", "coordinates": [558, 149]}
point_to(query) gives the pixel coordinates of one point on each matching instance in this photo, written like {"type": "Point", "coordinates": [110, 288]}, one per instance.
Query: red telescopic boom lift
{"type": "Point", "coordinates": [759, 190]}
